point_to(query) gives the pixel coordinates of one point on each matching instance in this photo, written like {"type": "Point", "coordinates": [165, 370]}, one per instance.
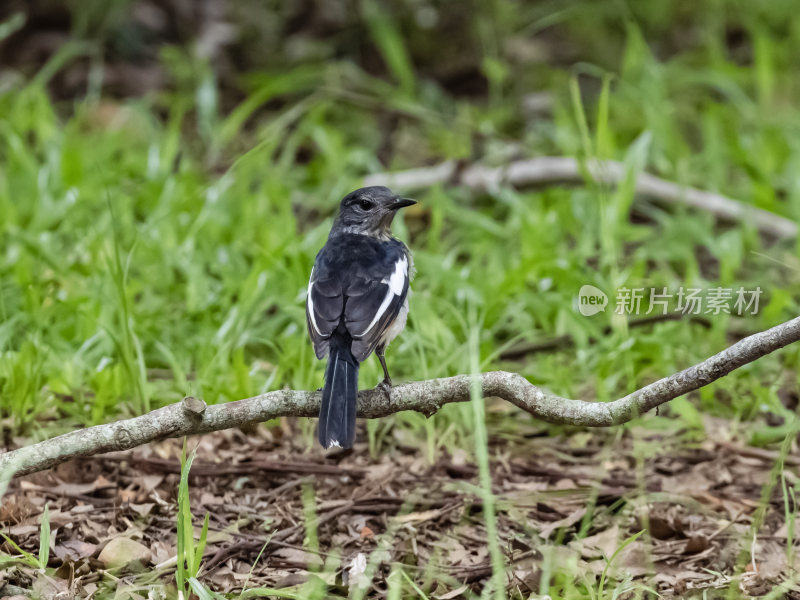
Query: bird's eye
{"type": "Point", "coordinates": [365, 205]}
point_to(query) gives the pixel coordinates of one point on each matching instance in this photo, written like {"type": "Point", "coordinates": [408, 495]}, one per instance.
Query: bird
{"type": "Point", "coordinates": [357, 302]}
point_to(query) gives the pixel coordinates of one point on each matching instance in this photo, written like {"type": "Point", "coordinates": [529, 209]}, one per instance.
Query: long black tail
{"type": "Point", "coordinates": [337, 415]}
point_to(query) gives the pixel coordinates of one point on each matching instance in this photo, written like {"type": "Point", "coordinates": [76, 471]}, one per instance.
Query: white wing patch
{"type": "Point", "coordinates": [310, 304]}
{"type": "Point", "coordinates": [381, 309]}
{"type": "Point", "coordinates": [398, 278]}
{"type": "Point", "coordinates": [396, 283]}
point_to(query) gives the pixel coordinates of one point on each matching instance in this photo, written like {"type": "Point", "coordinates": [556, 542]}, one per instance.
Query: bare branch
{"type": "Point", "coordinates": [192, 416]}
{"type": "Point", "coordinates": [563, 169]}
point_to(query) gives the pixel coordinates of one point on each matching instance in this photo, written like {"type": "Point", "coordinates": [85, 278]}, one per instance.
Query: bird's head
{"type": "Point", "coordinates": [369, 211]}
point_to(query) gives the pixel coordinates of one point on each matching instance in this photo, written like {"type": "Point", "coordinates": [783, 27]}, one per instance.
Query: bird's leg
{"type": "Point", "coordinates": [380, 351]}
{"type": "Point", "coordinates": [386, 384]}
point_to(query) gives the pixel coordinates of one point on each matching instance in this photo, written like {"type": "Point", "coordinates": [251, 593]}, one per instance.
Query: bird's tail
{"type": "Point", "coordinates": [337, 415]}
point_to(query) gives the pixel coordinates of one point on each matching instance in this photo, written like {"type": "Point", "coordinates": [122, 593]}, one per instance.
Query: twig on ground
{"type": "Point", "coordinates": [545, 170]}
{"type": "Point", "coordinates": [200, 469]}
{"type": "Point", "coordinates": [770, 456]}
{"type": "Point", "coordinates": [472, 573]}
{"type": "Point", "coordinates": [192, 416]}
{"type": "Point", "coordinates": [287, 535]}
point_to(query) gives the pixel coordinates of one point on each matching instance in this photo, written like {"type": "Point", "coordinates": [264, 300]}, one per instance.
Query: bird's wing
{"type": "Point", "coordinates": [361, 284]}
{"type": "Point", "coordinates": [324, 307]}
{"type": "Point", "coordinates": [373, 302]}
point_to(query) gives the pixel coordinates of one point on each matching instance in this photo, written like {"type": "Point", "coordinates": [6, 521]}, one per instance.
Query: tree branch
{"type": "Point", "coordinates": [192, 416]}
{"type": "Point", "coordinates": [563, 169]}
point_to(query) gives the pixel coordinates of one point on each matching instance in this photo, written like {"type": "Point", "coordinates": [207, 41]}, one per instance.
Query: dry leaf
{"type": "Point", "coordinates": [418, 517]}
{"type": "Point", "coordinates": [696, 543]}
{"type": "Point", "coordinates": [142, 509]}
{"type": "Point", "coordinates": [455, 593]}
{"type": "Point", "coordinates": [600, 545]}
{"type": "Point", "coordinates": [567, 521]}
{"type": "Point", "coordinates": [356, 571]}
{"type": "Point", "coordinates": [74, 549]}
{"type": "Point", "coordinates": [121, 551]}
{"type": "Point", "coordinates": [298, 556]}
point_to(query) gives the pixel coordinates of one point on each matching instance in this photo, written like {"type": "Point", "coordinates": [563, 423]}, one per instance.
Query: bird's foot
{"type": "Point", "coordinates": [386, 386]}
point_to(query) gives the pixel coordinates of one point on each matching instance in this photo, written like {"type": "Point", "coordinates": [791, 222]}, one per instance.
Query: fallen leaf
{"type": "Point", "coordinates": [150, 482]}
{"type": "Point", "coordinates": [74, 549]}
{"type": "Point", "coordinates": [127, 496]}
{"type": "Point", "coordinates": [21, 530]}
{"type": "Point", "coordinates": [452, 593]}
{"type": "Point", "coordinates": [417, 517]}
{"type": "Point", "coordinates": [660, 528]}
{"type": "Point", "coordinates": [601, 545]}
{"type": "Point", "coordinates": [567, 521]}
{"type": "Point", "coordinates": [358, 567]}
{"type": "Point", "coordinates": [771, 560]}
{"type": "Point", "coordinates": [459, 457]}
{"type": "Point", "coordinates": [16, 508]}
{"type": "Point", "coordinates": [564, 484]}
{"type": "Point", "coordinates": [298, 556]}
{"type": "Point", "coordinates": [142, 509]}
{"type": "Point", "coordinates": [697, 543]}
{"type": "Point", "coordinates": [49, 587]}
{"type": "Point", "coordinates": [291, 580]}
{"type": "Point", "coordinates": [121, 551]}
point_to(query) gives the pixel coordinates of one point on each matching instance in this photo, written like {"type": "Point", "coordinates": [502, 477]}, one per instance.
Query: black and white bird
{"type": "Point", "coordinates": [357, 302]}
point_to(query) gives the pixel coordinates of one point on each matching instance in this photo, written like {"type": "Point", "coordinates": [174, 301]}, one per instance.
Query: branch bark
{"type": "Point", "coordinates": [192, 416]}
{"type": "Point", "coordinates": [563, 169]}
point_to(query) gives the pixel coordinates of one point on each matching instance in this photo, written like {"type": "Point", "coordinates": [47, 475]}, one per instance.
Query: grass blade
{"type": "Point", "coordinates": [44, 539]}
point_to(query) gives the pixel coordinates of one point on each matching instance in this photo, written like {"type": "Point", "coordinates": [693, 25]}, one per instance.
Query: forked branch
{"type": "Point", "coordinates": [192, 416]}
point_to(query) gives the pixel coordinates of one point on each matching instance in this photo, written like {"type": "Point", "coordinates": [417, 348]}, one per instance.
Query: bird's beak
{"type": "Point", "coordinates": [402, 203]}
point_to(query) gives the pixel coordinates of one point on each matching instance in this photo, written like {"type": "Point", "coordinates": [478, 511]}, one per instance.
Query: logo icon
{"type": "Point", "coordinates": [591, 300]}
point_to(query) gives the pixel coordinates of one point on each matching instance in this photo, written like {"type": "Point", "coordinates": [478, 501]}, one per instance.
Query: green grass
{"type": "Point", "coordinates": [117, 263]}
{"type": "Point", "coordinates": [38, 561]}
{"type": "Point", "coordinates": [155, 248]}
{"type": "Point", "coordinates": [190, 551]}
